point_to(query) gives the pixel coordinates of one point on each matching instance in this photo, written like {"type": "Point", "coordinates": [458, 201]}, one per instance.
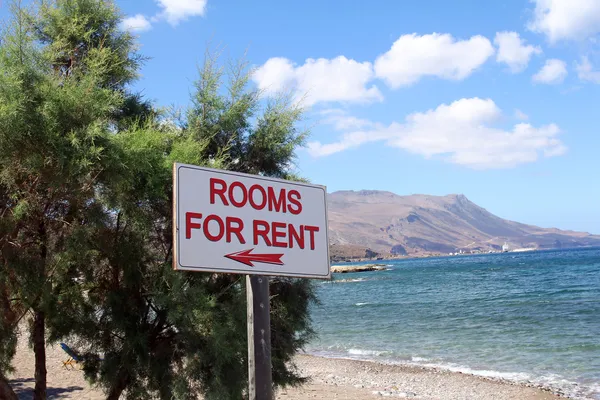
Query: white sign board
{"type": "Point", "coordinates": [238, 223]}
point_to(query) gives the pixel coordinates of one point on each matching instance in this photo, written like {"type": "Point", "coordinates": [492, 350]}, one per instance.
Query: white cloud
{"type": "Point", "coordinates": [520, 115]}
{"type": "Point", "coordinates": [586, 72]}
{"type": "Point", "coordinates": [462, 132]}
{"type": "Point", "coordinates": [341, 121]}
{"type": "Point", "coordinates": [566, 19]}
{"type": "Point", "coordinates": [321, 80]}
{"type": "Point", "coordinates": [413, 57]}
{"type": "Point", "coordinates": [554, 71]}
{"type": "Point", "coordinates": [137, 23]}
{"type": "Point", "coordinates": [513, 51]}
{"type": "Point", "coordinates": [175, 11]}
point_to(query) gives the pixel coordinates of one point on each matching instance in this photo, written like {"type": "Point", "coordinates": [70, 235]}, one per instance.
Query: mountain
{"type": "Point", "coordinates": [365, 222]}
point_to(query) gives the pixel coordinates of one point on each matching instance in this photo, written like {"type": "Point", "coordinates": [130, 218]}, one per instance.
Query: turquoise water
{"type": "Point", "coordinates": [521, 316]}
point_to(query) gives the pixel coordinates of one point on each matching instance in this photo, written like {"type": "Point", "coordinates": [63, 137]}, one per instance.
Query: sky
{"type": "Point", "coordinates": [496, 100]}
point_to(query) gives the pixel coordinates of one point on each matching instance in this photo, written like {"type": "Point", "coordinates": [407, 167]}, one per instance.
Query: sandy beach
{"type": "Point", "coordinates": [329, 379]}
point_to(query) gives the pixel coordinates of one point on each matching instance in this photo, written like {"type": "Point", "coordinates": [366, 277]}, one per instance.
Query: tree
{"type": "Point", "coordinates": [64, 70]}
{"type": "Point", "coordinates": [223, 119]}
{"type": "Point", "coordinates": [179, 334]}
{"type": "Point", "coordinates": [85, 191]}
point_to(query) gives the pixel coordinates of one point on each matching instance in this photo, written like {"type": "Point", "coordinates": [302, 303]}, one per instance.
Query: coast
{"type": "Point", "coordinates": [342, 269]}
{"type": "Point", "coordinates": [418, 256]}
{"type": "Point", "coordinates": [329, 379]}
{"type": "Point", "coordinates": [366, 380]}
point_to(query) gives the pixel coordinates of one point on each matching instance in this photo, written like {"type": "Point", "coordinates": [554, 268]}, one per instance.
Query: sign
{"type": "Point", "coordinates": [238, 223]}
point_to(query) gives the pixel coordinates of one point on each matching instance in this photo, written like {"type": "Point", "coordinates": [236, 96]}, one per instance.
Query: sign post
{"type": "Point", "coordinates": [229, 222]}
{"type": "Point", "coordinates": [259, 338]}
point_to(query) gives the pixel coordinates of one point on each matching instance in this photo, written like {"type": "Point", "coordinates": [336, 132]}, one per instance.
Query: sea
{"type": "Point", "coordinates": [528, 317]}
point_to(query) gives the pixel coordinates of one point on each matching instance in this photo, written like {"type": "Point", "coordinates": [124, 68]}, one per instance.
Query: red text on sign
{"type": "Point", "coordinates": [271, 234]}
{"type": "Point", "coordinates": [259, 197]}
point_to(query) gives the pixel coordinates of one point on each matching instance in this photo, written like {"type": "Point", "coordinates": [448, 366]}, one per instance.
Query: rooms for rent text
{"type": "Point", "coordinates": [260, 198]}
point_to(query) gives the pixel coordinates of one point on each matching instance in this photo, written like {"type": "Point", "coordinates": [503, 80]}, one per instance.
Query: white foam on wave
{"type": "Point", "coordinates": [595, 390]}
{"type": "Point", "coordinates": [348, 280]}
{"type": "Point", "coordinates": [511, 376]}
{"type": "Point", "coordinates": [343, 281]}
{"type": "Point", "coordinates": [572, 389]}
{"type": "Point", "coordinates": [361, 352]}
{"type": "Point", "coordinates": [361, 304]}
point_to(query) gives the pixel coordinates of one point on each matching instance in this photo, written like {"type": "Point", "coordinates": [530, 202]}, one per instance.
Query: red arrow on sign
{"type": "Point", "coordinates": [245, 257]}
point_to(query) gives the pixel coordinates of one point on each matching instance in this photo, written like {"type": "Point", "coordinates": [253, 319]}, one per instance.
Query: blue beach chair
{"type": "Point", "coordinates": [73, 360]}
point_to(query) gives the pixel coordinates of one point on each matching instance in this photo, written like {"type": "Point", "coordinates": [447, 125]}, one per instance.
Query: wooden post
{"type": "Point", "coordinates": [260, 385]}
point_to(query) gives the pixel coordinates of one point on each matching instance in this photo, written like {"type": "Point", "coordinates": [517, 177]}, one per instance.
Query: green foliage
{"type": "Point", "coordinates": [83, 39]}
{"type": "Point", "coordinates": [56, 133]}
{"type": "Point", "coordinates": [86, 206]}
{"type": "Point", "coordinates": [176, 334]}
{"type": "Point", "coordinates": [223, 119]}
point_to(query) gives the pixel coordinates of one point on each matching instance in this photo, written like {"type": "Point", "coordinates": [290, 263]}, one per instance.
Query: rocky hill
{"type": "Point", "coordinates": [364, 222]}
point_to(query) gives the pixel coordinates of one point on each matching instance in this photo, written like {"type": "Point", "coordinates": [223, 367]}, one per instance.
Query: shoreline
{"type": "Point", "coordinates": [422, 256]}
{"type": "Point", "coordinates": [425, 367]}
{"type": "Point", "coordinates": [329, 378]}
{"type": "Point", "coordinates": [364, 379]}
{"type": "Point", "coordinates": [344, 269]}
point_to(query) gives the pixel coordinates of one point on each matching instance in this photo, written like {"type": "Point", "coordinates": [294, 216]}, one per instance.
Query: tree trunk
{"type": "Point", "coordinates": [39, 348]}
{"type": "Point", "coordinates": [39, 324]}
{"type": "Point", "coordinates": [7, 312]}
{"type": "Point", "coordinates": [119, 386]}
{"type": "Point", "coordinates": [6, 392]}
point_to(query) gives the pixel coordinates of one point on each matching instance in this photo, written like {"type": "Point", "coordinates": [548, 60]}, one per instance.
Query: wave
{"type": "Point", "coordinates": [345, 280]}
{"type": "Point", "coordinates": [361, 352]}
{"type": "Point", "coordinates": [509, 376]}
{"type": "Point", "coordinates": [552, 382]}
{"type": "Point", "coordinates": [362, 304]}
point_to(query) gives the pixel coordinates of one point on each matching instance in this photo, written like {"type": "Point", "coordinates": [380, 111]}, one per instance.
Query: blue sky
{"type": "Point", "coordinates": [498, 100]}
